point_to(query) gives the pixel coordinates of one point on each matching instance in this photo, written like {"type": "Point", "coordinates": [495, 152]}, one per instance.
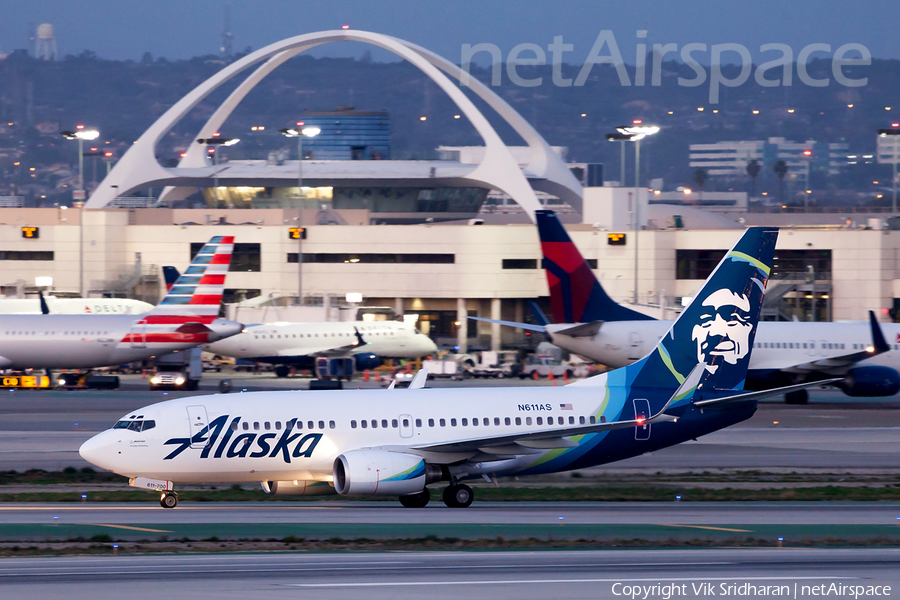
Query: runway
{"type": "Point", "coordinates": [502, 513]}
{"type": "Point", "coordinates": [541, 523]}
{"type": "Point", "coordinates": [439, 575]}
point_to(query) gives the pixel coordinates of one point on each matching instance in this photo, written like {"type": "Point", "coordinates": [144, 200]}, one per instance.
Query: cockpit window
{"type": "Point", "coordinates": [135, 425]}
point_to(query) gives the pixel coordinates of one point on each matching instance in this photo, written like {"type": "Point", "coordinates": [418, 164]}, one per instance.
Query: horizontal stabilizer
{"type": "Point", "coordinates": [527, 326]}
{"type": "Point", "coordinates": [763, 394]}
{"type": "Point", "coordinates": [193, 328]}
{"type": "Point", "coordinates": [581, 330]}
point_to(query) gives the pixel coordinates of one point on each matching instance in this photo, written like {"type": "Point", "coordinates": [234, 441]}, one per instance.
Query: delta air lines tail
{"type": "Point", "coordinates": [575, 294]}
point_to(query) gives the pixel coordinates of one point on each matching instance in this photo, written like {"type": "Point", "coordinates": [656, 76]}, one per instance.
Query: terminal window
{"type": "Point", "coordinates": [373, 258]}
{"type": "Point", "coordinates": [26, 255]}
{"type": "Point", "coordinates": [696, 264]}
{"type": "Point", "coordinates": [520, 263]}
{"type": "Point", "coordinates": [244, 257]}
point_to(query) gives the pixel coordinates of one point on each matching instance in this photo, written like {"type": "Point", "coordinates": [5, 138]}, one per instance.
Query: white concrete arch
{"type": "Point", "coordinates": [498, 168]}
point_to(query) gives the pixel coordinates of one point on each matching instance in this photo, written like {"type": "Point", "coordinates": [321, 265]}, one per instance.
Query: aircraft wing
{"type": "Point", "coordinates": [580, 329]}
{"type": "Point", "coordinates": [323, 350]}
{"type": "Point", "coordinates": [533, 442]}
{"type": "Point", "coordinates": [839, 365]}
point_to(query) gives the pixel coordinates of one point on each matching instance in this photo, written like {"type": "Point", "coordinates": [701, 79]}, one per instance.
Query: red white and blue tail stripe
{"type": "Point", "coordinates": [192, 303]}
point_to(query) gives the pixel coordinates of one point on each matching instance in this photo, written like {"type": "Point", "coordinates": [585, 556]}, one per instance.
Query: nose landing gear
{"type": "Point", "coordinates": [168, 500]}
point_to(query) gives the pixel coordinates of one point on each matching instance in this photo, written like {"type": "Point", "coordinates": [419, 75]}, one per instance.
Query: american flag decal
{"type": "Point", "coordinates": [565, 407]}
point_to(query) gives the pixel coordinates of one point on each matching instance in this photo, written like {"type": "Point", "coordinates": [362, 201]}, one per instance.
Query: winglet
{"type": "Point", "coordinates": [45, 310]}
{"type": "Point", "coordinates": [539, 317]}
{"type": "Point", "coordinates": [418, 381]}
{"type": "Point", "coordinates": [878, 341]}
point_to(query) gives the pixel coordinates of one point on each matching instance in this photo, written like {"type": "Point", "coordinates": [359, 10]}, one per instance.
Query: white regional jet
{"type": "Point", "coordinates": [395, 443]}
{"type": "Point", "coordinates": [185, 318]}
{"type": "Point", "coordinates": [298, 344]}
{"type": "Point", "coordinates": [593, 326]}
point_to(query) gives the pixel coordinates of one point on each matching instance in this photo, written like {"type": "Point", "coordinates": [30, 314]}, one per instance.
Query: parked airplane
{"type": "Point", "coordinates": [298, 344]}
{"type": "Point", "coordinates": [598, 329]}
{"type": "Point", "coordinates": [74, 306]}
{"type": "Point", "coordinates": [185, 318]}
{"type": "Point", "coordinates": [395, 443]}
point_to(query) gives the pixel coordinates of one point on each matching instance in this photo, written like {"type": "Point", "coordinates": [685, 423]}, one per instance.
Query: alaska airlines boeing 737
{"type": "Point", "coordinates": [185, 318]}
{"type": "Point", "coordinates": [592, 325]}
{"type": "Point", "coordinates": [395, 443]}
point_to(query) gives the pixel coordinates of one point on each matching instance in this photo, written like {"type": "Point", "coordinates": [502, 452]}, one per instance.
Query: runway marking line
{"type": "Point", "coordinates": [532, 581]}
{"type": "Point", "coordinates": [705, 527]}
{"type": "Point", "coordinates": [182, 509]}
{"type": "Point", "coordinates": [129, 527]}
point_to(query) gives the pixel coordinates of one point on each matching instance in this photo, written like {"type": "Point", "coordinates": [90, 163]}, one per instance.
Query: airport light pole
{"type": "Point", "coordinates": [894, 133]}
{"type": "Point", "coordinates": [635, 133]}
{"type": "Point", "coordinates": [300, 132]}
{"type": "Point", "coordinates": [80, 134]}
{"type": "Point", "coordinates": [216, 142]}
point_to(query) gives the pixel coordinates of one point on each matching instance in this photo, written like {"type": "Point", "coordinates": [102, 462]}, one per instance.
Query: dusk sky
{"type": "Point", "coordinates": [175, 29]}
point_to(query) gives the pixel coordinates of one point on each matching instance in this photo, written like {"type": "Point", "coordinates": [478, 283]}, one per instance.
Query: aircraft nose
{"type": "Point", "coordinates": [98, 450]}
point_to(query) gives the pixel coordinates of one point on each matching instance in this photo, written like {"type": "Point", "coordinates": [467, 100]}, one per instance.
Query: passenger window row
{"type": "Point", "coordinates": [804, 345]}
{"type": "Point", "coordinates": [475, 422]}
{"type": "Point", "coordinates": [267, 425]}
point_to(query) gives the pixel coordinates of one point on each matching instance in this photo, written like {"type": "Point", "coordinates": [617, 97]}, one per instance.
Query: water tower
{"type": "Point", "coordinates": [45, 48]}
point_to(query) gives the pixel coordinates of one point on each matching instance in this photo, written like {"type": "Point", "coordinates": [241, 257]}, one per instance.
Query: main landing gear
{"type": "Point", "coordinates": [168, 500]}
{"type": "Point", "coordinates": [458, 496]}
{"type": "Point", "coordinates": [801, 397]}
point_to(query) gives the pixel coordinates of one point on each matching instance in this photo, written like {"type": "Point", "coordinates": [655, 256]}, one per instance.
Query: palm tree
{"type": "Point", "coordinates": [753, 170]}
{"type": "Point", "coordinates": [780, 167]}
{"type": "Point", "coordinates": [699, 180]}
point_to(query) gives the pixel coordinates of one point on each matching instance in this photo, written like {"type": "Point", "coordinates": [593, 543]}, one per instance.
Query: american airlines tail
{"type": "Point", "coordinates": [191, 307]}
{"type": "Point", "coordinates": [575, 294]}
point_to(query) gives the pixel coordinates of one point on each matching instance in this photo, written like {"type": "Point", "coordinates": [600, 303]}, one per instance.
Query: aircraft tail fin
{"type": "Point", "coordinates": [575, 294]}
{"type": "Point", "coordinates": [170, 275]}
{"type": "Point", "coordinates": [719, 326]}
{"type": "Point", "coordinates": [197, 293]}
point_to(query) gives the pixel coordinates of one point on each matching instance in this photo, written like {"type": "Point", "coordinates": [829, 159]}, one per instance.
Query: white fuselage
{"type": "Point", "coordinates": [74, 306]}
{"type": "Point", "coordinates": [90, 341]}
{"type": "Point", "coordinates": [257, 447]}
{"type": "Point", "coordinates": [389, 339]}
{"type": "Point", "coordinates": [779, 345]}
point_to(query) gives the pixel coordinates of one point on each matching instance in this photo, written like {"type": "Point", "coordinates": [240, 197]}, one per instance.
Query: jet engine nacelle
{"type": "Point", "coordinates": [297, 488]}
{"type": "Point", "coordinates": [382, 473]}
{"type": "Point", "coordinates": [871, 381]}
{"type": "Point", "coordinates": [367, 360]}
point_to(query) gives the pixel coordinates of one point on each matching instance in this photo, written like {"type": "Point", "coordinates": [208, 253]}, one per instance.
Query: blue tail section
{"type": "Point", "coordinates": [575, 294]}
{"type": "Point", "coordinates": [170, 275]}
{"type": "Point", "coordinates": [539, 317]}
{"type": "Point", "coordinates": [719, 326]}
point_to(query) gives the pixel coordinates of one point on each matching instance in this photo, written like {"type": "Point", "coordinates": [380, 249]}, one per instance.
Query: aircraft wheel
{"type": "Point", "coordinates": [419, 500]}
{"type": "Point", "coordinates": [168, 500]}
{"type": "Point", "coordinates": [800, 397]}
{"type": "Point", "coordinates": [458, 496]}
{"type": "Point", "coordinates": [282, 371]}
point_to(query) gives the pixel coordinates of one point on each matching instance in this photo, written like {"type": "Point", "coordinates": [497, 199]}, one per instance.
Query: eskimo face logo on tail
{"type": "Point", "coordinates": [288, 444]}
{"type": "Point", "coordinates": [724, 327]}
